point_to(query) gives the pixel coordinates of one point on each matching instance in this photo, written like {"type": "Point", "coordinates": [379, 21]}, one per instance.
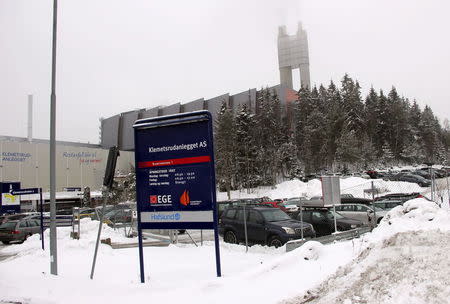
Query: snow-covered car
{"type": "Point", "coordinates": [322, 220]}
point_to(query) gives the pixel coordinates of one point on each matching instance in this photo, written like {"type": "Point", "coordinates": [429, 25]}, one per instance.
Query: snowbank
{"type": "Point", "coordinates": [263, 275]}
{"type": "Point", "coordinates": [404, 260]}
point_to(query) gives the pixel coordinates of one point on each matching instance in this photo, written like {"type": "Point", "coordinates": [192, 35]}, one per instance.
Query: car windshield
{"type": "Point", "coordinates": [112, 213]}
{"type": "Point", "coordinates": [288, 203]}
{"type": "Point", "coordinates": [8, 225]}
{"type": "Point", "coordinates": [274, 215]}
{"type": "Point", "coordinates": [16, 217]}
{"type": "Point", "coordinates": [292, 202]}
{"type": "Point", "coordinates": [331, 214]}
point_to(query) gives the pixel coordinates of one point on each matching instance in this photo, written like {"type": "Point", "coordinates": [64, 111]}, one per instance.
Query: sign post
{"type": "Point", "coordinates": [175, 177]}
{"type": "Point", "coordinates": [331, 193]}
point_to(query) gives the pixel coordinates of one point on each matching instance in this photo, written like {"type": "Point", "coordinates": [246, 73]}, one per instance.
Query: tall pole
{"type": "Point", "coordinates": [373, 206]}
{"type": "Point", "coordinates": [30, 117]}
{"type": "Point", "coordinates": [53, 249]}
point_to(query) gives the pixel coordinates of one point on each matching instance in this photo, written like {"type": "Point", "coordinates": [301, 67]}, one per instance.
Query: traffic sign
{"type": "Point", "coordinates": [25, 191]}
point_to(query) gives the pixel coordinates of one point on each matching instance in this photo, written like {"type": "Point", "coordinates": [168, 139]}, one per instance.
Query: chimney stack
{"type": "Point", "coordinates": [30, 118]}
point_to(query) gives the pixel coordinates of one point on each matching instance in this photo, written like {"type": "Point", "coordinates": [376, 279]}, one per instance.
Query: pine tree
{"type": "Point", "coordinates": [353, 106]}
{"type": "Point", "coordinates": [398, 125]}
{"type": "Point", "coordinates": [245, 149]}
{"type": "Point", "coordinates": [225, 146]}
{"type": "Point", "coordinates": [370, 110]}
{"type": "Point", "coordinates": [429, 128]}
{"type": "Point", "coordinates": [335, 120]}
{"type": "Point", "coordinates": [381, 134]}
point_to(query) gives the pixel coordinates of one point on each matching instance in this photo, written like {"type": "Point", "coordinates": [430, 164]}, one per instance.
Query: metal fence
{"type": "Point", "coordinates": [61, 221]}
{"type": "Point", "coordinates": [344, 235]}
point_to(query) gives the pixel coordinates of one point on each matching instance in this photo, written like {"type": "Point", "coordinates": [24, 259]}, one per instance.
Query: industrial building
{"type": "Point", "coordinates": [78, 165]}
{"type": "Point", "coordinates": [292, 54]}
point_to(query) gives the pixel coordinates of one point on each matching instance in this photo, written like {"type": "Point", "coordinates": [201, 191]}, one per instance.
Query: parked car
{"type": "Point", "coordinates": [360, 174]}
{"type": "Point", "coordinates": [322, 220]}
{"type": "Point", "coordinates": [275, 205]}
{"type": "Point", "coordinates": [361, 212]}
{"type": "Point", "coordinates": [18, 230]}
{"type": "Point", "coordinates": [355, 200]}
{"type": "Point", "coordinates": [118, 216]}
{"type": "Point", "coordinates": [423, 173]}
{"type": "Point", "coordinates": [269, 226]}
{"type": "Point", "coordinates": [222, 205]}
{"type": "Point", "coordinates": [388, 204]}
{"type": "Point", "coordinates": [16, 216]}
{"type": "Point", "coordinates": [309, 177]}
{"type": "Point", "coordinates": [400, 196]}
{"type": "Point", "coordinates": [411, 178]}
{"type": "Point", "coordinates": [290, 206]}
{"type": "Point", "coordinates": [440, 173]}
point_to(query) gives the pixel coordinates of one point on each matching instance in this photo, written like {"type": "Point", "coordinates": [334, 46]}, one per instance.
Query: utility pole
{"type": "Point", "coordinates": [53, 247]}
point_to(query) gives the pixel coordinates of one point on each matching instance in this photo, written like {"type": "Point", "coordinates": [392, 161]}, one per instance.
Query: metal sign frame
{"type": "Point", "coordinates": [175, 175]}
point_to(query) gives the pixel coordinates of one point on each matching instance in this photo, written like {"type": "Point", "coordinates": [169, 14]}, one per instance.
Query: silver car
{"type": "Point", "coordinates": [18, 230]}
{"type": "Point", "coordinates": [361, 212]}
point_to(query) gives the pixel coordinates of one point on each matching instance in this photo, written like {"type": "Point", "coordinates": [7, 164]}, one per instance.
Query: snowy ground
{"type": "Point", "coordinates": [404, 260]}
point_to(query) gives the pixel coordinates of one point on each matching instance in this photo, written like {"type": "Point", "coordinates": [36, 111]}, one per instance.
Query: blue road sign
{"type": "Point", "coordinates": [175, 173]}
{"type": "Point", "coordinates": [175, 177]}
{"type": "Point", "coordinates": [25, 191]}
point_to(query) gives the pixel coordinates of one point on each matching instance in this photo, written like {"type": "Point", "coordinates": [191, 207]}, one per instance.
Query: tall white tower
{"type": "Point", "coordinates": [292, 54]}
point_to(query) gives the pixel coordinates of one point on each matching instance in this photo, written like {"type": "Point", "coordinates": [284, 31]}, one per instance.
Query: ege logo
{"type": "Point", "coordinates": [161, 199]}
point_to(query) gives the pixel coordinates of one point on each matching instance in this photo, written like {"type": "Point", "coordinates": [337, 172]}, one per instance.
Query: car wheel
{"type": "Point", "coordinates": [5, 242]}
{"type": "Point", "coordinates": [230, 237]}
{"type": "Point", "coordinates": [275, 241]}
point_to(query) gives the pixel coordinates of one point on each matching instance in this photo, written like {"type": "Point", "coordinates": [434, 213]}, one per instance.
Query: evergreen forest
{"type": "Point", "coordinates": [327, 129]}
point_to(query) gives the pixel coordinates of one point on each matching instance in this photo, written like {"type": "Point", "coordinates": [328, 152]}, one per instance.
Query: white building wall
{"type": "Point", "coordinates": [76, 166]}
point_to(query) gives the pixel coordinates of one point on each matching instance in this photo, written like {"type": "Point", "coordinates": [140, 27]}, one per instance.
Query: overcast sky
{"type": "Point", "coordinates": [115, 56]}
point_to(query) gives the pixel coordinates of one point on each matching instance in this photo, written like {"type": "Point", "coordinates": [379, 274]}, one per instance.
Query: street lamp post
{"type": "Point", "coordinates": [53, 248]}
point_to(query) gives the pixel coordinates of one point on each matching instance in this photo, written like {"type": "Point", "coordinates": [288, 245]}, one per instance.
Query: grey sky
{"type": "Point", "coordinates": [115, 56]}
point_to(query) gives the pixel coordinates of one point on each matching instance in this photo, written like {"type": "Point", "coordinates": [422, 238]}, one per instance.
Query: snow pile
{"type": "Point", "coordinates": [404, 261]}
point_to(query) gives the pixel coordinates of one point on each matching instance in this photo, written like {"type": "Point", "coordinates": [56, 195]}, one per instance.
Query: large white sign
{"type": "Point", "coordinates": [331, 190]}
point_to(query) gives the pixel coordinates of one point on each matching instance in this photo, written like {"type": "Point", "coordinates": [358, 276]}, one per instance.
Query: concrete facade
{"type": "Point", "coordinates": [292, 54]}
{"type": "Point", "coordinates": [117, 130]}
{"type": "Point", "coordinates": [77, 164]}
{"type": "Point", "coordinates": [126, 139]}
